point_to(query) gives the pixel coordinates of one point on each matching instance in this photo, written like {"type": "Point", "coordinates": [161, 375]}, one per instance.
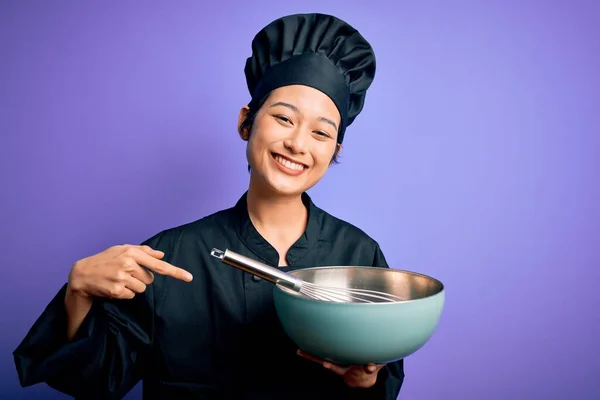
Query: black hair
{"type": "Point", "coordinates": [248, 122]}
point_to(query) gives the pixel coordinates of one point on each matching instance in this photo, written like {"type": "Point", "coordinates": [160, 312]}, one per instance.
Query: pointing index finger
{"type": "Point", "coordinates": [163, 267]}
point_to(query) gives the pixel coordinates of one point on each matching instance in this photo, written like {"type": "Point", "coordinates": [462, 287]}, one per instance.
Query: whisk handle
{"type": "Point", "coordinates": [257, 268]}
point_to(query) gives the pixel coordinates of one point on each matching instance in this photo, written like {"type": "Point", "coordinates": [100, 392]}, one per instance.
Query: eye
{"type": "Point", "coordinates": [322, 135]}
{"type": "Point", "coordinates": [283, 119]}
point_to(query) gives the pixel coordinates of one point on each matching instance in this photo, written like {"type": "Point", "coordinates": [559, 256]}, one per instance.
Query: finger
{"type": "Point", "coordinates": [310, 357]}
{"type": "Point", "coordinates": [117, 249]}
{"type": "Point", "coordinates": [142, 274]}
{"type": "Point", "coordinates": [119, 291]}
{"type": "Point", "coordinates": [159, 266]}
{"type": "Point", "coordinates": [135, 285]}
{"type": "Point", "coordinates": [336, 368]}
{"type": "Point", "coordinates": [370, 368]}
{"type": "Point", "coordinates": [152, 252]}
{"type": "Point", "coordinates": [124, 248]}
{"type": "Point", "coordinates": [127, 294]}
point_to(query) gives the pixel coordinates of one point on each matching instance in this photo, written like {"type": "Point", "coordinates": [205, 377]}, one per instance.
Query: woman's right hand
{"type": "Point", "coordinates": [118, 272]}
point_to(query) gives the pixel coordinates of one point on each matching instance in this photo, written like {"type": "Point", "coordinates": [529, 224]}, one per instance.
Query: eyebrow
{"type": "Point", "coordinates": [295, 109]}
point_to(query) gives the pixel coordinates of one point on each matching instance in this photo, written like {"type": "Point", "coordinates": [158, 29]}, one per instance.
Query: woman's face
{"type": "Point", "coordinates": [293, 139]}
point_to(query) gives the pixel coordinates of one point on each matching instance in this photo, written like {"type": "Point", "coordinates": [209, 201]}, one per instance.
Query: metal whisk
{"type": "Point", "coordinates": [310, 290]}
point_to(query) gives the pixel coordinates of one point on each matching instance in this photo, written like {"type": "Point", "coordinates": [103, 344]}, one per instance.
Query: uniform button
{"type": "Point", "coordinates": [256, 278]}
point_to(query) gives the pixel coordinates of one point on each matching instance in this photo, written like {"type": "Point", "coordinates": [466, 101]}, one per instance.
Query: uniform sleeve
{"type": "Point", "coordinates": [106, 357]}
{"type": "Point", "coordinates": [390, 377]}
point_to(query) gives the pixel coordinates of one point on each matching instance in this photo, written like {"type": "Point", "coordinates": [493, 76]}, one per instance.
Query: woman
{"type": "Point", "coordinates": [134, 313]}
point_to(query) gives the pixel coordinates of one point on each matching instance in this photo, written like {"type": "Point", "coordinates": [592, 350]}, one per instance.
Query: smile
{"type": "Point", "coordinates": [287, 163]}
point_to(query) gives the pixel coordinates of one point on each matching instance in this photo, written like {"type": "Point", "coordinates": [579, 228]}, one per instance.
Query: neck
{"type": "Point", "coordinates": [275, 212]}
{"type": "Point", "coordinates": [281, 220]}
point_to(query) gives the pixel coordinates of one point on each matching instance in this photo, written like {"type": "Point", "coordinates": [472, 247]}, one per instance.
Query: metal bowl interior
{"type": "Point", "coordinates": [407, 285]}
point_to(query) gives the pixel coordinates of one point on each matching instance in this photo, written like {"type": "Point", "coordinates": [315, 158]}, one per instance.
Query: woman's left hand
{"type": "Point", "coordinates": [356, 376]}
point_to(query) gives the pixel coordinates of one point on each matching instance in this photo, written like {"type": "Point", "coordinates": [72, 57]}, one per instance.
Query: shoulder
{"type": "Point", "coordinates": [212, 224]}
{"type": "Point", "coordinates": [334, 227]}
{"type": "Point", "coordinates": [357, 246]}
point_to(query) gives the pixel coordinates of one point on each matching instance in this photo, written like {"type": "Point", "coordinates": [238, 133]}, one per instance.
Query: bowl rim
{"type": "Point", "coordinates": [299, 296]}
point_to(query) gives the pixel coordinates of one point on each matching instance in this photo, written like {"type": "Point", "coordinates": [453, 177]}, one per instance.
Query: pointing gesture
{"type": "Point", "coordinates": [119, 272]}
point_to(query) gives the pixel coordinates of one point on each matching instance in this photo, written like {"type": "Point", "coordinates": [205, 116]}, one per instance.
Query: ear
{"type": "Point", "coordinates": [243, 130]}
{"type": "Point", "coordinates": [338, 149]}
{"type": "Point", "coordinates": [336, 152]}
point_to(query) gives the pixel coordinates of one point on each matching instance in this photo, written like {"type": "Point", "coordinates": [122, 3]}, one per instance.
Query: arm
{"type": "Point", "coordinates": [97, 352]}
{"type": "Point", "coordinates": [76, 308]}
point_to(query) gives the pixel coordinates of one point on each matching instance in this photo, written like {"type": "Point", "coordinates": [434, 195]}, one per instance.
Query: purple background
{"type": "Point", "coordinates": [476, 154]}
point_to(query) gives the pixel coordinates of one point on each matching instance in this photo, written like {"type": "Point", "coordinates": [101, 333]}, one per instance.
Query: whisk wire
{"type": "Point", "coordinates": [346, 295]}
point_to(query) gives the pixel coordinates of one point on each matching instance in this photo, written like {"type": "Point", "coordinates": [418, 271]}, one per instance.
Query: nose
{"type": "Point", "coordinates": [296, 142]}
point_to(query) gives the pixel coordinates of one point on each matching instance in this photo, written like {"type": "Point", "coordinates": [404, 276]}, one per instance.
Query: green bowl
{"type": "Point", "coordinates": [360, 333]}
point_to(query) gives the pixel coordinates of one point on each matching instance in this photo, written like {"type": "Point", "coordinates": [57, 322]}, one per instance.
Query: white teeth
{"type": "Point", "coordinates": [289, 164]}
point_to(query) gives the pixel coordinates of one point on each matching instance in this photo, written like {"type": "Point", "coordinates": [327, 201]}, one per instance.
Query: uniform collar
{"type": "Point", "coordinates": [263, 249]}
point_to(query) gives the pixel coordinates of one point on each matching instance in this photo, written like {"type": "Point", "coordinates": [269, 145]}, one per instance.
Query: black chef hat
{"type": "Point", "coordinates": [316, 50]}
